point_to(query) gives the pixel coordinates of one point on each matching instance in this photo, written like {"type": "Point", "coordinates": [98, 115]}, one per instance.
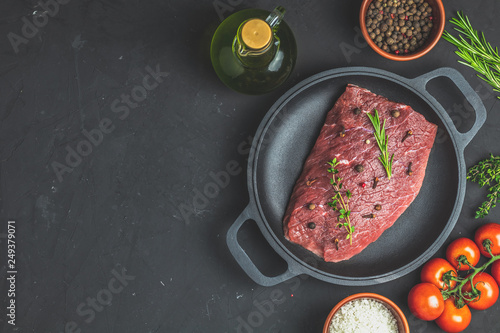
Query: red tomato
{"type": "Point", "coordinates": [425, 301]}
{"type": "Point", "coordinates": [434, 270]}
{"type": "Point", "coordinates": [466, 247]}
{"type": "Point", "coordinates": [454, 320]}
{"type": "Point", "coordinates": [495, 271]}
{"type": "Point", "coordinates": [489, 231]}
{"type": "Point", "coordinates": [488, 287]}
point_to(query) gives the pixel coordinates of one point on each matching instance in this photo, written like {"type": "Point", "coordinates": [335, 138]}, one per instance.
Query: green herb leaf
{"type": "Point", "coordinates": [339, 203]}
{"type": "Point", "coordinates": [382, 141]}
{"type": "Point", "coordinates": [487, 173]}
{"type": "Point", "coordinates": [476, 52]}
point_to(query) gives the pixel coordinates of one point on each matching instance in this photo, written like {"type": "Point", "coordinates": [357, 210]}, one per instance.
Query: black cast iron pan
{"type": "Point", "coordinates": [283, 142]}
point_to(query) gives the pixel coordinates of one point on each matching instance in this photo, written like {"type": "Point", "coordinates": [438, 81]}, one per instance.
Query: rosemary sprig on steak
{"type": "Point", "coordinates": [338, 203]}
{"type": "Point", "coordinates": [382, 139]}
{"type": "Point", "coordinates": [487, 172]}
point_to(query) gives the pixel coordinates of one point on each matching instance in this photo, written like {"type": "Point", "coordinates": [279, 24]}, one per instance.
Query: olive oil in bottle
{"type": "Point", "coordinates": [254, 51]}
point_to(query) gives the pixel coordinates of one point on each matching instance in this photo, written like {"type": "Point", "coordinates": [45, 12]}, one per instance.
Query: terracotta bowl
{"type": "Point", "coordinates": [395, 310]}
{"type": "Point", "coordinates": [438, 16]}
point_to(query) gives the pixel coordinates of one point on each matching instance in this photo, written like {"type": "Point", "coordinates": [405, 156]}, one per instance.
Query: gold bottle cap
{"type": "Point", "coordinates": [256, 34]}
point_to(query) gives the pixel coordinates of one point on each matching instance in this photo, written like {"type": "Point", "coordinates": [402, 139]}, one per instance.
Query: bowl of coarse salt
{"type": "Point", "coordinates": [366, 313]}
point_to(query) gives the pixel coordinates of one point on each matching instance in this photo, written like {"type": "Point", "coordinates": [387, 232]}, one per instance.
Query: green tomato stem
{"type": "Point", "coordinates": [460, 298]}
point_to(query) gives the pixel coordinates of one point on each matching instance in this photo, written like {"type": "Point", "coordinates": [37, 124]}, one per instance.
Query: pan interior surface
{"type": "Point", "coordinates": [286, 143]}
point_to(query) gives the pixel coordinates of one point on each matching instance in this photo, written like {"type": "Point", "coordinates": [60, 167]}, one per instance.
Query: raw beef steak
{"type": "Point", "coordinates": [348, 136]}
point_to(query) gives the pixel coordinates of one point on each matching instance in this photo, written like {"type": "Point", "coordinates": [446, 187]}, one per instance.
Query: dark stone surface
{"type": "Point", "coordinates": [125, 225]}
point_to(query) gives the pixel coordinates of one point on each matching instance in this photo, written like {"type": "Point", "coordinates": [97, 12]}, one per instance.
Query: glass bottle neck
{"type": "Point", "coordinates": [255, 44]}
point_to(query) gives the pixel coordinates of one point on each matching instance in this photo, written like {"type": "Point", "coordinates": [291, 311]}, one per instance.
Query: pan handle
{"type": "Point", "coordinates": [244, 260]}
{"type": "Point", "coordinates": [420, 83]}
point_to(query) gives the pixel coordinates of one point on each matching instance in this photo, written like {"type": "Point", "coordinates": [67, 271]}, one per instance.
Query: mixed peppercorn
{"type": "Point", "coordinates": [399, 26]}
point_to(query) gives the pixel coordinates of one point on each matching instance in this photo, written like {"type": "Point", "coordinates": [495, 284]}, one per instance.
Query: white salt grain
{"type": "Point", "coordinates": [363, 316]}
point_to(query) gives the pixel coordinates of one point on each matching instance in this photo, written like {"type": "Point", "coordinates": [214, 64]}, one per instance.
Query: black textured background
{"type": "Point", "coordinates": [121, 207]}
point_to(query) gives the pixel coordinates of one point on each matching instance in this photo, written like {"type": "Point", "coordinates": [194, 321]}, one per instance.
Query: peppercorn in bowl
{"type": "Point", "coordinates": [402, 30]}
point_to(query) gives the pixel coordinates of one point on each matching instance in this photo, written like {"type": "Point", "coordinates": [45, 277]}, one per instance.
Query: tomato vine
{"type": "Point", "coordinates": [464, 297]}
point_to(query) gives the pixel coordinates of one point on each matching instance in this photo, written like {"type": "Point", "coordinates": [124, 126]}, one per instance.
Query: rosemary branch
{"type": "Point", "coordinates": [382, 141]}
{"type": "Point", "coordinates": [475, 50]}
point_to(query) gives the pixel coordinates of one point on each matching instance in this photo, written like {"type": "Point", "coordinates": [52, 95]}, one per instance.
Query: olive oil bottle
{"type": "Point", "coordinates": [253, 51]}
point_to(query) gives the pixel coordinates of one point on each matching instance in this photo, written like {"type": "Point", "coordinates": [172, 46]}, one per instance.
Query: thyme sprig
{"type": "Point", "coordinates": [340, 203]}
{"type": "Point", "coordinates": [382, 141]}
{"type": "Point", "coordinates": [487, 173]}
{"type": "Point", "coordinates": [476, 51]}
